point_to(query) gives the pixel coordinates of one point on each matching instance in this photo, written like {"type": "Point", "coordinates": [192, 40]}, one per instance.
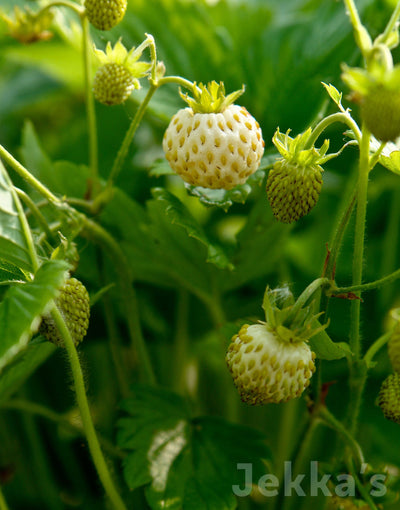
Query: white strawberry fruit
{"type": "Point", "coordinates": [213, 143]}
{"type": "Point", "coordinates": [265, 369]}
{"type": "Point", "coordinates": [271, 361]}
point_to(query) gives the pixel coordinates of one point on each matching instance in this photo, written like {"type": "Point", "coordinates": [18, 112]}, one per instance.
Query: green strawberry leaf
{"type": "Point", "coordinates": [160, 167]}
{"type": "Point", "coordinates": [391, 161]}
{"type": "Point", "coordinates": [13, 244]}
{"type": "Point", "coordinates": [185, 461]}
{"type": "Point", "coordinates": [224, 199]}
{"type": "Point", "coordinates": [164, 226]}
{"type": "Point", "coordinates": [325, 348]}
{"type": "Point", "coordinates": [25, 363]}
{"type": "Point", "coordinates": [10, 273]}
{"type": "Point", "coordinates": [179, 215]}
{"type": "Point", "coordinates": [334, 94]}
{"type": "Point", "coordinates": [63, 177]}
{"type": "Point", "coordinates": [22, 307]}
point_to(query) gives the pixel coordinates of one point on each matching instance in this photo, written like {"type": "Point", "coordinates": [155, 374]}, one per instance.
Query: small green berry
{"type": "Point", "coordinates": [380, 110]}
{"type": "Point", "coordinates": [389, 398]}
{"type": "Point", "coordinates": [105, 14]}
{"type": "Point", "coordinates": [293, 190]}
{"type": "Point", "coordinates": [394, 349]}
{"type": "Point", "coordinates": [73, 304]}
{"type": "Point", "coordinates": [113, 84]}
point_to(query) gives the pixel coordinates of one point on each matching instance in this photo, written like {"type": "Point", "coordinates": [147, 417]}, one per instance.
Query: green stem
{"type": "Point", "coordinates": [93, 231]}
{"type": "Point", "coordinates": [376, 346]}
{"type": "Point", "coordinates": [307, 294]}
{"type": "Point", "coordinates": [361, 489]}
{"type": "Point", "coordinates": [88, 426]}
{"type": "Point", "coordinates": [23, 221]}
{"type": "Point", "coordinates": [178, 80]}
{"type": "Point", "coordinates": [345, 118]}
{"type": "Point", "coordinates": [361, 35]}
{"type": "Point", "coordinates": [41, 220]}
{"type": "Point", "coordinates": [93, 184]}
{"type": "Point", "coordinates": [377, 154]}
{"type": "Point", "coordinates": [359, 237]}
{"type": "Point", "coordinates": [3, 502]}
{"type": "Point", "coordinates": [391, 24]}
{"type": "Point", "coordinates": [335, 424]}
{"type": "Point", "coordinates": [28, 177]}
{"type": "Point", "coordinates": [123, 151]}
{"type": "Point", "coordinates": [358, 371]}
{"type": "Point", "coordinates": [369, 286]}
{"type": "Point", "coordinates": [64, 3]}
{"type": "Point", "coordinates": [39, 410]}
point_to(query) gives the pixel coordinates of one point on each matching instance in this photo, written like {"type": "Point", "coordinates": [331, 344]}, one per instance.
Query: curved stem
{"type": "Point", "coordinates": [64, 3]}
{"type": "Point", "coordinates": [345, 118]}
{"type": "Point", "coordinates": [376, 346]}
{"type": "Point", "coordinates": [3, 502]}
{"type": "Point", "coordinates": [307, 294]}
{"type": "Point", "coordinates": [28, 177]}
{"type": "Point", "coordinates": [95, 232]}
{"type": "Point", "coordinates": [371, 285]}
{"type": "Point", "coordinates": [88, 426]}
{"type": "Point", "coordinates": [178, 80]}
{"type": "Point", "coordinates": [335, 424]}
{"type": "Point", "coordinates": [93, 184]}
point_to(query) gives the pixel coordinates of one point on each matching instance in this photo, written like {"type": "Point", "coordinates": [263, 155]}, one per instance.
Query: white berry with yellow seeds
{"type": "Point", "coordinates": [213, 143]}
{"type": "Point", "coordinates": [265, 369]}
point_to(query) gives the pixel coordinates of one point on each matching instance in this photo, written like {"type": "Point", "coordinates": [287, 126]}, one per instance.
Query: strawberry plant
{"type": "Point", "coordinates": [199, 305]}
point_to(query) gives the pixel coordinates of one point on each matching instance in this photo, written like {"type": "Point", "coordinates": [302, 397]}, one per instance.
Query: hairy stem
{"type": "Point", "coordinates": [123, 151]}
{"type": "Point", "coordinates": [371, 285]}
{"type": "Point", "coordinates": [28, 177]}
{"type": "Point", "coordinates": [88, 426]}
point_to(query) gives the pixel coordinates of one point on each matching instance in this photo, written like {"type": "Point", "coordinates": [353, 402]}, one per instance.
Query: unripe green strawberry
{"type": "Point", "coordinates": [105, 14]}
{"type": "Point", "coordinates": [293, 190]}
{"type": "Point", "coordinates": [73, 304]}
{"type": "Point", "coordinates": [119, 72]}
{"type": "Point", "coordinates": [213, 143]}
{"type": "Point", "coordinates": [380, 110]}
{"type": "Point", "coordinates": [389, 398]}
{"type": "Point", "coordinates": [113, 84]}
{"type": "Point", "coordinates": [394, 349]}
{"type": "Point", "coordinates": [266, 369]}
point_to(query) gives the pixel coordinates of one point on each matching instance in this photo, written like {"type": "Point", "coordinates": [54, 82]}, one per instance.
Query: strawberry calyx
{"type": "Point", "coordinates": [210, 98]}
{"type": "Point", "coordinates": [288, 321]}
{"type": "Point", "coordinates": [129, 60]}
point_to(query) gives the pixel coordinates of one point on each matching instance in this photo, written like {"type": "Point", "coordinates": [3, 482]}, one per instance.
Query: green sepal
{"type": "Point", "coordinates": [210, 98]}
